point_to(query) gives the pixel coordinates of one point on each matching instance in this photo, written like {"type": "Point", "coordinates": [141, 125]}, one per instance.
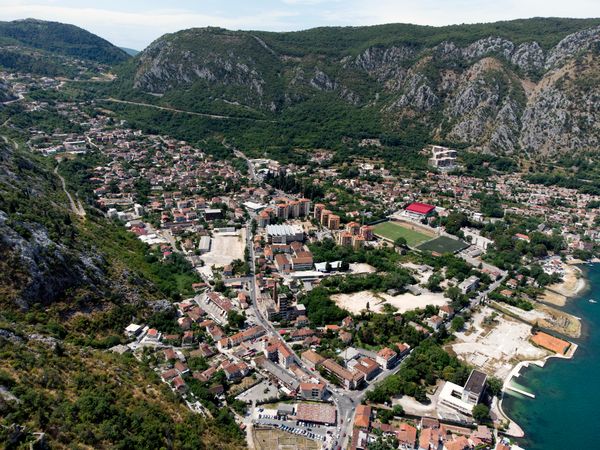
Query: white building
{"type": "Point", "coordinates": [284, 234]}
{"type": "Point", "coordinates": [476, 239]}
{"type": "Point", "coordinates": [442, 158]}
{"type": "Point", "coordinates": [469, 285]}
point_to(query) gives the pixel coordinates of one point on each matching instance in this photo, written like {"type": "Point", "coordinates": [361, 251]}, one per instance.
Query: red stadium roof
{"type": "Point", "coordinates": [420, 208]}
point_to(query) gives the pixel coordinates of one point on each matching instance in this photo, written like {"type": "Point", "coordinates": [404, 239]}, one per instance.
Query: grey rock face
{"type": "Point", "coordinates": [528, 56]}
{"type": "Point", "coordinates": [162, 67]}
{"type": "Point", "coordinates": [322, 82]}
{"type": "Point", "coordinates": [555, 121]}
{"type": "Point", "coordinates": [447, 84]}
{"type": "Point", "coordinates": [570, 45]}
{"type": "Point", "coordinates": [417, 94]}
{"type": "Point", "coordinates": [384, 63]}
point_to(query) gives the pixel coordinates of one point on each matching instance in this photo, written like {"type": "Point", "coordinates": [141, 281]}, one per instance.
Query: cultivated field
{"type": "Point", "coordinates": [443, 244]}
{"type": "Point", "coordinates": [267, 439]}
{"type": "Point", "coordinates": [394, 230]}
{"type": "Point", "coordinates": [225, 247]}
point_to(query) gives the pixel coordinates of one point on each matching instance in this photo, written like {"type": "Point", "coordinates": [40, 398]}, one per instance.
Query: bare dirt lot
{"type": "Point", "coordinates": [547, 317]}
{"type": "Point", "coordinates": [225, 247]}
{"type": "Point", "coordinates": [496, 348]}
{"type": "Point", "coordinates": [266, 439]}
{"type": "Point", "coordinates": [358, 301]}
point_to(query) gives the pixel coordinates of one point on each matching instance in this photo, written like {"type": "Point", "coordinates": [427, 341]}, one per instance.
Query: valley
{"type": "Point", "coordinates": [340, 238]}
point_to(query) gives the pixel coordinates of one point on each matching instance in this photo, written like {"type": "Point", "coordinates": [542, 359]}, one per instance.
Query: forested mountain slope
{"type": "Point", "coordinates": [526, 86]}
{"type": "Point", "coordinates": [52, 48]}
{"type": "Point", "coordinates": [68, 287]}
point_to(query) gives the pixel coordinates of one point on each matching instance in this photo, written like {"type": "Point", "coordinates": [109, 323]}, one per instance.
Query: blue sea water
{"type": "Point", "coordinates": [565, 414]}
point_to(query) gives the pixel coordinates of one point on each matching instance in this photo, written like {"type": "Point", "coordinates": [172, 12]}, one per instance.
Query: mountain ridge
{"type": "Point", "coordinates": [484, 92]}
{"type": "Point", "coordinates": [60, 38]}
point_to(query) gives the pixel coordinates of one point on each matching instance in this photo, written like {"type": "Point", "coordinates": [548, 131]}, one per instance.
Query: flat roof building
{"type": "Point", "coordinates": [474, 387]}
{"type": "Point", "coordinates": [316, 413]}
{"type": "Point", "coordinates": [284, 234]}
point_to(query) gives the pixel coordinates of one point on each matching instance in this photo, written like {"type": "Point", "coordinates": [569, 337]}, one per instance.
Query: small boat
{"type": "Point", "coordinates": [591, 300]}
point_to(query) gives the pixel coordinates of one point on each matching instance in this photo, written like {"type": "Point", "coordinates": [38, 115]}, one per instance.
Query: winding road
{"type": "Point", "coordinates": [76, 207]}
{"type": "Point", "coordinates": [193, 113]}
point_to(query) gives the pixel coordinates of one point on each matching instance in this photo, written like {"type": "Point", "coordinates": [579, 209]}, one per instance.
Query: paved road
{"type": "Point", "coordinates": [193, 113]}
{"type": "Point", "coordinates": [345, 402]}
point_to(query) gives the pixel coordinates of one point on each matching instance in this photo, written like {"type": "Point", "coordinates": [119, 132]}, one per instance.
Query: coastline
{"type": "Point", "coordinates": [514, 429]}
{"type": "Point", "coordinates": [573, 285]}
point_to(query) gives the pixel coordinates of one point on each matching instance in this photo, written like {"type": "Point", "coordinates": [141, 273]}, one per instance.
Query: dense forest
{"type": "Point", "coordinates": [60, 39]}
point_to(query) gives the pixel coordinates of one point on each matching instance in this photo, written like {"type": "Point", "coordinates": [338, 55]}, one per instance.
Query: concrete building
{"type": "Point", "coordinates": [387, 358]}
{"type": "Point", "coordinates": [442, 158]}
{"type": "Point", "coordinates": [366, 231]}
{"type": "Point", "coordinates": [284, 234]}
{"type": "Point", "coordinates": [469, 285]}
{"type": "Point", "coordinates": [350, 380]}
{"type": "Point", "coordinates": [474, 387]}
{"type": "Point", "coordinates": [333, 222]}
{"type": "Point", "coordinates": [418, 211]}
{"type": "Point", "coordinates": [204, 245]}
{"type": "Point", "coordinates": [312, 391]}
{"type": "Point", "coordinates": [320, 413]}
{"type": "Point", "coordinates": [319, 207]}
{"type": "Point", "coordinates": [463, 399]}
{"type": "Point", "coordinates": [311, 358]}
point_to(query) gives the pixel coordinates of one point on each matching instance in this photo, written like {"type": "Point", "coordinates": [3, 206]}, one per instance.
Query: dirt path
{"type": "Point", "coordinates": [76, 207]}
{"type": "Point", "coordinates": [193, 113]}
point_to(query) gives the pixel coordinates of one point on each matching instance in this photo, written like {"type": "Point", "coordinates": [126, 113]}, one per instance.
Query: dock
{"type": "Point", "coordinates": [520, 391]}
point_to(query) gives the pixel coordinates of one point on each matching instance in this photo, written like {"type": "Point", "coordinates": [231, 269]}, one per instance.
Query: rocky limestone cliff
{"type": "Point", "coordinates": [493, 94]}
{"type": "Point", "coordinates": [46, 255]}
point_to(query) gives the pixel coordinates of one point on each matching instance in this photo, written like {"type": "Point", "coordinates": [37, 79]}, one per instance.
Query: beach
{"type": "Point", "coordinates": [573, 284]}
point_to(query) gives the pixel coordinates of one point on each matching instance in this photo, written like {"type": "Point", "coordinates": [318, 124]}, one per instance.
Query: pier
{"type": "Point", "coordinates": [520, 391]}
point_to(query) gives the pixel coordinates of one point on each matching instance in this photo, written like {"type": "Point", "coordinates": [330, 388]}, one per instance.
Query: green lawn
{"type": "Point", "coordinates": [394, 230]}
{"type": "Point", "coordinates": [443, 244]}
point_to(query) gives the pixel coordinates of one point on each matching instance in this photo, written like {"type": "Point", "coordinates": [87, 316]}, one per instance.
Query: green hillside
{"type": "Point", "coordinates": [60, 39]}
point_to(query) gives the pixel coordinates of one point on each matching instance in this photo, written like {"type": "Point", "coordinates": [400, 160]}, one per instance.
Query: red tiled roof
{"type": "Point", "coordinates": [420, 208]}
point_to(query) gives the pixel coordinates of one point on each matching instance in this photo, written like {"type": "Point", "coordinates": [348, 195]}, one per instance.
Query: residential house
{"type": "Point", "coordinates": [312, 391]}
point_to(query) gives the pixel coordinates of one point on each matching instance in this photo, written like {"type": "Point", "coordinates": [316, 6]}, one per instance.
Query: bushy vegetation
{"type": "Point", "coordinates": [61, 39]}
{"type": "Point", "coordinates": [339, 41]}
{"type": "Point", "coordinates": [97, 400]}
{"type": "Point", "coordinates": [508, 250]}
{"type": "Point", "coordinates": [426, 364]}
{"type": "Point", "coordinates": [320, 309]}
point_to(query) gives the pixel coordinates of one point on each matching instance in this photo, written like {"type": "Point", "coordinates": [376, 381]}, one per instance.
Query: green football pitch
{"type": "Point", "coordinates": [394, 230]}
{"type": "Point", "coordinates": [443, 244]}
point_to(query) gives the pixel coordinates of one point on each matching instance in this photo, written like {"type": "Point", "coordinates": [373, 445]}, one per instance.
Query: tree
{"type": "Point", "coordinates": [458, 323]}
{"type": "Point", "coordinates": [400, 242]}
{"type": "Point", "coordinates": [235, 319]}
{"type": "Point", "coordinates": [398, 410]}
{"type": "Point", "coordinates": [384, 443]}
{"type": "Point", "coordinates": [494, 386]}
{"type": "Point", "coordinates": [453, 293]}
{"type": "Point", "coordinates": [433, 284]}
{"type": "Point", "coordinates": [481, 413]}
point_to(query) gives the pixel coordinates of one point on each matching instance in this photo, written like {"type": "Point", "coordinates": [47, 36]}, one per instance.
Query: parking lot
{"type": "Point", "coordinates": [263, 391]}
{"type": "Point", "coordinates": [268, 417]}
